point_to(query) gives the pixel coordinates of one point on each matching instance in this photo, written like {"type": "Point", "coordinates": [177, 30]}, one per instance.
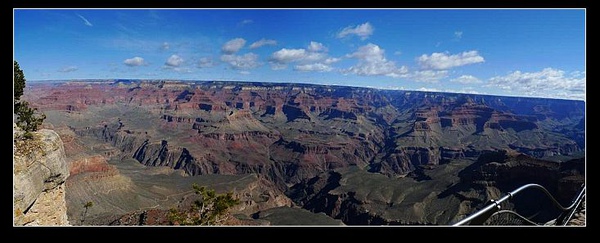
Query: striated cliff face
{"type": "Point", "coordinates": [290, 134]}
{"type": "Point", "coordinates": [39, 174]}
{"type": "Point", "coordinates": [294, 131]}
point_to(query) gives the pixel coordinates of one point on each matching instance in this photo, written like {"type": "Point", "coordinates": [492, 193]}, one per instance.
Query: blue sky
{"type": "Point", "coordinates": [514, 52]}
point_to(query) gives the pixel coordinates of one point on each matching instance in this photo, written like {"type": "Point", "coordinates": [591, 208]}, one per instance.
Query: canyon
{"type": "Point", "coordinates": [329, 155]}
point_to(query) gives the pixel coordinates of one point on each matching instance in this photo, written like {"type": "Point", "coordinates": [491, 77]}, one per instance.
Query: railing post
{"type": "Point", "coordinates": [480, 219]}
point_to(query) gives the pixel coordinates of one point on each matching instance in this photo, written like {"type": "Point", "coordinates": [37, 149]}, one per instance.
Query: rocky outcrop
{"type": "Point", "coordinates": [39, 174]}
{"type": "Point", "coordinates": [256, 194]}
{"type": "Point", "coordinates": [324, 194]}
{"type": "Point", "coordinates": [507, 170]}
{"type": "Point", "coordinates": [95, 165]}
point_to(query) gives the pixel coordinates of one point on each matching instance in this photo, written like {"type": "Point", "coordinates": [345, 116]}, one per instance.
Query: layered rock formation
{"type": "Point", "coordinates": [289, 134]}
{"type": "Point", "coordinates": [39, 174]}
{"type": "Point", "coordinates": [295, 131]}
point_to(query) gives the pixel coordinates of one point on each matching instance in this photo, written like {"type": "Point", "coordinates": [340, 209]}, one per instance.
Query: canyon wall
{"type": "Point", "coordinates": [39, 175]}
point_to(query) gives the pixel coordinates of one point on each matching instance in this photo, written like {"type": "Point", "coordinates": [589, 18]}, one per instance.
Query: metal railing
{"type": "Point", "coordinates": [493, 208]}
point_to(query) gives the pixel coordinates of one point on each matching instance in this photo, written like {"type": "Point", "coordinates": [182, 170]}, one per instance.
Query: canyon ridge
{"type": "Point", "coordinates": [304, 154]}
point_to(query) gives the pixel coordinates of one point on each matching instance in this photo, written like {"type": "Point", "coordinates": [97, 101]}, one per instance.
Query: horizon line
{"type": "Point", "coordinates": [301, 83]}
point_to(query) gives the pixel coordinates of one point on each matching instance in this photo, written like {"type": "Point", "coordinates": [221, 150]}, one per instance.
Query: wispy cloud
{"type": "Point", "coordinates": [426, 89]}
{"type": "Point", "coordinates": [68, 69]}
{"type": "Point", "coordinates": [85, 21]}
{"type": "Point", "coordinates": [363, 31]}
{"type": "Point", "coordinates": [445, 61]}
{"type": "Point", "coordinates": [316, 67]}
{"type": "Point", "coordinates": [206, 62]}
{"type": "Point", "coordinates": [458, 35]}
{"type": "Point", "coordinates": [165, 46]}
{"type": "Point", "coordinates": [549, 82]}
{"type": "Point", "coordinates": [134, 62]}
{"type": "Point", "coordinates": [263, 42]}
{"type": "Point", "coordinates": [245, 22]}
{"type": "Point", "coordinates": [241, 62]}
{"type": "Point", "coordinates": [466, 79]}
{"type": "Point", "coordinates": [428, 76]}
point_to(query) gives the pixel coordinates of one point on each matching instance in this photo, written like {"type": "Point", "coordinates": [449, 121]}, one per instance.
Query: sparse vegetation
{"type": "Point", "coordinates": [27, 118]}
{"type": "Point", "coordinates": [210, 209]}
{"type": "Point", "coordinates": [87, 205]}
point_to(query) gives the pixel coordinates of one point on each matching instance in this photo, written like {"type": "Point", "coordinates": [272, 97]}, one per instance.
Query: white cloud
{"type": "Point", "coordinates": [466, 90]}
{"type": "Point", "coordinates": [429, 76]}
{"type": "Point", "coordinates": [578, 74]}
{"type": "Point", "coordinates": [182, 70]}
{"type": "Point", "coordinates": [466, 79]}
{"type": "Point", "coordinates": [313, 58]}
{"type": "Point", "coordinates": [135, 61]}
{"type": "Point", "coordinates": [369, 52]}
{"type": "Point", "coordinates": [316, 47]}
{"type": "Point", "coordinates": [165, 46]}
{"type": "Point", "coordinates": [233, 46]}
{"type": "Point", "coordinates": [549, 82]}
{"type": "Point", "coordinates": [363, 31]}
{"type": "Point", "coordinates": [444, 61]}
{"type": "Point", "coordinates": [205, 62]}
{"type": "Point", "coordinates": [85, 21]}
{"type": "Point", "coordinates": [285, 56]}
{"type": "Point", "coordinates": [424, 89]}
{"type": "Point", "coordinates": [244, 72]}
{"type": "Point", "coordinates": [263, 42]}
{"type": "Point", "coordinates": [318, 67]}
{"type": "Point", "coordinates": [288, 55]}
{"type": "Point", "coordinates": [68, 69]}
{"type": "Point", "coordinates": [174, 61]}
{"type": "Point", "coordinates": [372, 62]}
{"type": "Point", "coordinates": [242, 62]}
{"type": "Point", "coordinates": [332, 60]}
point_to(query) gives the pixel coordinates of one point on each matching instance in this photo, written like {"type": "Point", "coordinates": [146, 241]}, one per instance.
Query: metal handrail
{"type": "Point", "coordinates": [494, 206]}
{"type": "Point", "coordinates": [578, 202]}
{"type": "Point", "coordinates": [521, 217]}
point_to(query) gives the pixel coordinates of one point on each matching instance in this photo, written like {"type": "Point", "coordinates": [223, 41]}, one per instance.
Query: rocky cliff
{"type": "Point", "coordinates": [39, 174]}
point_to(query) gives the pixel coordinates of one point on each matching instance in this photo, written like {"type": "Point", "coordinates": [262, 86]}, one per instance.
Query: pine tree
{"type": "Point", "coordinates": [27, 118]}
{"type": "Point", "coordinates": [19, 82]}
{"type": "Point", "coordinates": [210, 209]}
